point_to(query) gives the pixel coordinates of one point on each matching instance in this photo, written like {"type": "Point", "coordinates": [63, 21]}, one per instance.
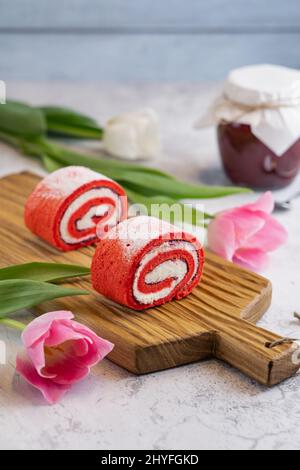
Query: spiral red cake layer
{"type": "Point", "coordinates": [144, 262]}
{"type": "Point", "coordinates": [67, 205]}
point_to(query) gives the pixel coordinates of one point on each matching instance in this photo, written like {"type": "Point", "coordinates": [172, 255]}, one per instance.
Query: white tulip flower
{"type": "Point", "coordinates": [133, 136]}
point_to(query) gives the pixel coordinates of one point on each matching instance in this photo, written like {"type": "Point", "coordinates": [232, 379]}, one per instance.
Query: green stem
{"type": "Point", "coordinates": [76, 133]}
{"type": "Point", "coordinates": [10, 139]}
{"type": "Point", "coordinates": [12, 324]}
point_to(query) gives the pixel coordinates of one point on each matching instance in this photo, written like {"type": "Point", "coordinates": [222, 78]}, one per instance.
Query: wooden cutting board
{"type": "Point", "coordinates": [216, 320]}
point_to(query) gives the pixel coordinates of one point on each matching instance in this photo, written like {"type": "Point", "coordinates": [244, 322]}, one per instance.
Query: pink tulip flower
{"type": "Point", "coordinates": [58, 353]}
{"type": "Point", "coordinates": [246, 234]}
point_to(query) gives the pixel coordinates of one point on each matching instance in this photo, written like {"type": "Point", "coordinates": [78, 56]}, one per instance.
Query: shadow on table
{"type": "Point", "coordinates": [214, 176]}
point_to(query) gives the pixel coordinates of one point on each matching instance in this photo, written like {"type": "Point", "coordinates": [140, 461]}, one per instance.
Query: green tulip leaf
{"type": "Point", "coordinates": [168, 209]}
{"type": "Point", "coordinates": [18, 294]}
{"type": "Point", "coordinates": [44, 272]}
{"type": "Point", "coordinates": [68, 123]}
{"type": "Point", "coordinates": [20, 119]}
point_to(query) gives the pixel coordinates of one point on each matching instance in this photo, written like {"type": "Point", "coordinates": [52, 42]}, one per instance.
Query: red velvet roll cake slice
{"type": "Point", "coordinates": [145, 262]}
{"type": "Point", "coordinates": [67, 205]}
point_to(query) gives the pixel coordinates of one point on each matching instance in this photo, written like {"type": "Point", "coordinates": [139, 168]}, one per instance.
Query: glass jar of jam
{"type": "Point", "coordinates": [258, 126]}
{"type": "Point", "coordinates": [249, 162]}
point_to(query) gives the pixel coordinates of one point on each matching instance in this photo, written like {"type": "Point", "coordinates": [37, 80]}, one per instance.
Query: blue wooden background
{"type": "Point", "coordinates": [144, 39]}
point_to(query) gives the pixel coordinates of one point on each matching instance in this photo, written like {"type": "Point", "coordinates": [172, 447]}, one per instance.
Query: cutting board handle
{"type": "Point", "coordinates": [248, 349]}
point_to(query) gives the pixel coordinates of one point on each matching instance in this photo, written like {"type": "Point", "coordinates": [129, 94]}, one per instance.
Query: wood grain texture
{"type": "Point", "coordinates": [148, 13]}
{"type": "Point", "coordinates": [216, 320]}
{"type": "Point", "coordinates": [145, 57]}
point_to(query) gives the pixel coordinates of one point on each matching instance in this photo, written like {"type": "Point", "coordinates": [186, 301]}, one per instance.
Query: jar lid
{"type": "Point", "coordinates": [260, 85]}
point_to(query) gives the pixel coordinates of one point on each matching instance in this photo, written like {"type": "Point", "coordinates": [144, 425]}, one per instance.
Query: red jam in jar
{"type": "Point", "coordinates": [258, 120]}
{"type": "Point", "coordinates": [249, 162]}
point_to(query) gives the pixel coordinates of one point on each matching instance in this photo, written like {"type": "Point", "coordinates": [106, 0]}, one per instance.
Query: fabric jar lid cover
{"type": "Point", "coordinates": [263, 85]}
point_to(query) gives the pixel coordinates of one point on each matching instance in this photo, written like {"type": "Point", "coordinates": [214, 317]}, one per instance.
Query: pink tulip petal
{"type": "Point", "coordinates": [52, 392]}
{"type": "Point", "coordinates": [270, 237]}
{"type": "Point", "coordinates": [99, 347]}
{"type": "Point", "coordinates": [37, 355]}
{"type": "Point", "coordinates": [246, 234]}
{"type": "Point", "coordinates": [67, 367]}
{"type": "Point", "coordinates": [58, 333]}
{"type": "Point", "coordinates": [41, 325]}
{"type": "Point", "coordinates": [68, 362]}
{"type": "Point", "coordinates": [221, 237]}
{"type": "Point", "coordinates": [264, 204]}
{"type": "Point", "coordinates": [70, 353]}
{"type": "Point", "coordinates": [95, 351]}
{"type": "Point", "coordinates": [60, 353]}
{"type": "Point", "coordinates": [37, 334]}
{"type": "Point", "coordinates": [61, 332]}
{"type": "Point", "coordinates": [81, 347]}
{"type": "Point", "coordinates": [253, 259]}
{"type": "Point", "coordinates": [246, 225]}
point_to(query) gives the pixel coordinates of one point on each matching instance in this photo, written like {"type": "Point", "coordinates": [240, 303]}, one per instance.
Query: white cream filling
{"type": "Point", "coordinates": [86, 221]}
{"type": "Point", "coordinates": [176, 269]}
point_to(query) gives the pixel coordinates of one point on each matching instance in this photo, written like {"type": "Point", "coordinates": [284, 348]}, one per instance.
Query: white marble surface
{"type": "Point", "coordinates": [207, 405]}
